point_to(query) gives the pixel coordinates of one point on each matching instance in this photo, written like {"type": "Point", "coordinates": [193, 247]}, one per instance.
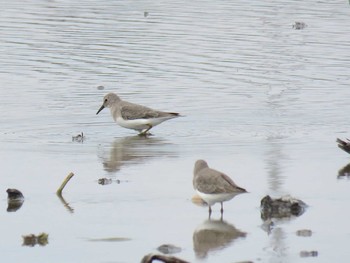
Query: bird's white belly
{"type": "Point", "coordinates": [140, 124]}
{"type": "Point", "coordinates": [211, 199]}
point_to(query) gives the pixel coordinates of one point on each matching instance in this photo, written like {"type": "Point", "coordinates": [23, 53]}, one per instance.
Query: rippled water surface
{"type": "Point", "coordinates": [262, 102]}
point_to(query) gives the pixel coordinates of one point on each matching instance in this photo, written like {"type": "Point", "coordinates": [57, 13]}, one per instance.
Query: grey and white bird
{"type": "Point", "coordinates": [134, 116]}
{"type": "Point", "coordinates": [214, 186]}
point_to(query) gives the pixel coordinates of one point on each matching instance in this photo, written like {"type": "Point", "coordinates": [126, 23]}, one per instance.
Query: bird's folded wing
{"type": "Point", "coordinates": [214, 182]}
{"type": "Point", "coordinates": [130, 112]}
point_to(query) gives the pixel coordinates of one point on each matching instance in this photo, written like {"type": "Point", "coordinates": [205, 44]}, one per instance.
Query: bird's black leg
{"type": "Point", "coordinates": [143, 133]}
{"type": "Point", "coordinates": [149, 127]}
{"type": "Point", "coordinates": [222, 209]}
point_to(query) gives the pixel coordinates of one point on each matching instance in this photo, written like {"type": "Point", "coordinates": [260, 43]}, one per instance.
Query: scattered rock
{"type": "Point", "coordinates": [285, 206]}
{"type": "Point", "coordinates": [306, 254]}
{"type": "Point", "coordinates": [344, 145]}
{"type": "Point", "coordinates": [14, 195]}
{"type": "Point", "coordinates": [100, 87]}
{"type": "Point", "coordinates": [299, 25]}
{"type": "Point", "coordinates": [169, 249]}
{"type": "Point", "coordinates": [304, 233]}
{"type": "Point", "coordinates": [15, 200]}
{"type": "Point", "coordinates": [78, 138]}
{"type": "Point", "coordinates": [105, 181]}
{"type": "Point", "coordinates": [32, 240]}
{"type": "Point", "coordinates": [145, 14]}
{"type": "Point", "coordinates": [157, 257]}
{"type": "Point", "coordinates": [345, 171]}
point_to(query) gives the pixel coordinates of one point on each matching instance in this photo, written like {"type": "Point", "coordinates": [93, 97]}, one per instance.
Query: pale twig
{"type": "Point", "coordinates": [69, 176]}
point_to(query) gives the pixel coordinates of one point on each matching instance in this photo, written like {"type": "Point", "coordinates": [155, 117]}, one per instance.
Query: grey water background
{"type": "Point", "coordinates": [263, 102]}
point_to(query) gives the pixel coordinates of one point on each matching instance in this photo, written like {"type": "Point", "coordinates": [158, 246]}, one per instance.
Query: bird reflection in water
{"type": "Point", "coordinates": [134, 149]}
{"type": "Point", "coordinates": [213, 235]}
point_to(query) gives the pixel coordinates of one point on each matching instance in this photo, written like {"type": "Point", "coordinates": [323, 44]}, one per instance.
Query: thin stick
{"type": "Point", "coordinates": [69, 176]}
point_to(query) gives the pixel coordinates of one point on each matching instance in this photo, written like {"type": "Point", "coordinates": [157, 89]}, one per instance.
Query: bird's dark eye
{"type": "Point", "coordinates": [105, 100]}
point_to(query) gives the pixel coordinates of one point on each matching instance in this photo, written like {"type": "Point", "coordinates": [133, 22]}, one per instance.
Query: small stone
{"type": "Point", "coordinates": [42, 239]}
{"type": "Point", "coordinates": [29, 240]}
{"type": "Point", "coordinates": [304, 233]}
{"type": "Point", "coordinates": [169, 249]}
{"type": "Point", "coordinates": [100, 87]}
{"type": "Point", "coordinates": [306, 254]}
{"type": "Point", "coordinates": [32, 240]}
{"type": "Point", "coordinates": [14, 195]}
{"type": "Point", "coordinates": [286, 206]}
{"type": "Point", "coordinates": [104, 181]}
{"type": "Point", "coordinates": [344, 172]}
{"type": "Point", "coordinates": [299, 25]}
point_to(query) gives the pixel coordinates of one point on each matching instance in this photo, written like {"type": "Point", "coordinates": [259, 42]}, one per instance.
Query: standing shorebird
{"type": "Point", "coordinates": [213, 186]}
{"type": "Point", "coordinates": [134, 116]}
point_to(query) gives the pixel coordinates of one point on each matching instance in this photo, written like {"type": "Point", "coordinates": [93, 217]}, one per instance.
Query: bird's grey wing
{"type": "Point", "coordinates": [211, 181]}
{"type": "Point", "coordinates": [203, 185]}
{"type": "Point", "coordinates": [207, 181]}
{"type": "Point", "coordinates": [231, 186]}
{"type": "Point", "coordinates": [133, 111]}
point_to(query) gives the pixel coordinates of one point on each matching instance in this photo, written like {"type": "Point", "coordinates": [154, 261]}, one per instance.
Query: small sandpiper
{"type": "Point", "coordinates": [134, 116]}
{"type": "Point", "coordinates": [213, 186]}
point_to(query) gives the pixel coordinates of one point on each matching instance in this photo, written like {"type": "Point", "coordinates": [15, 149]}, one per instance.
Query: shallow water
{"type": "Point", "coordinates": [263, 102]}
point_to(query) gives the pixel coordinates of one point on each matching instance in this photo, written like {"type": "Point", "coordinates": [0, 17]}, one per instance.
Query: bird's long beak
{"type": "Point", "coordinates": [102, 107]}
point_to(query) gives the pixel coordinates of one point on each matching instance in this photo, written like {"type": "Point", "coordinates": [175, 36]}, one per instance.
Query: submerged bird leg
{"type": "Point", "coordinates": [145, 131]}
{"type": "Point", "coordinates": [149, 127]}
